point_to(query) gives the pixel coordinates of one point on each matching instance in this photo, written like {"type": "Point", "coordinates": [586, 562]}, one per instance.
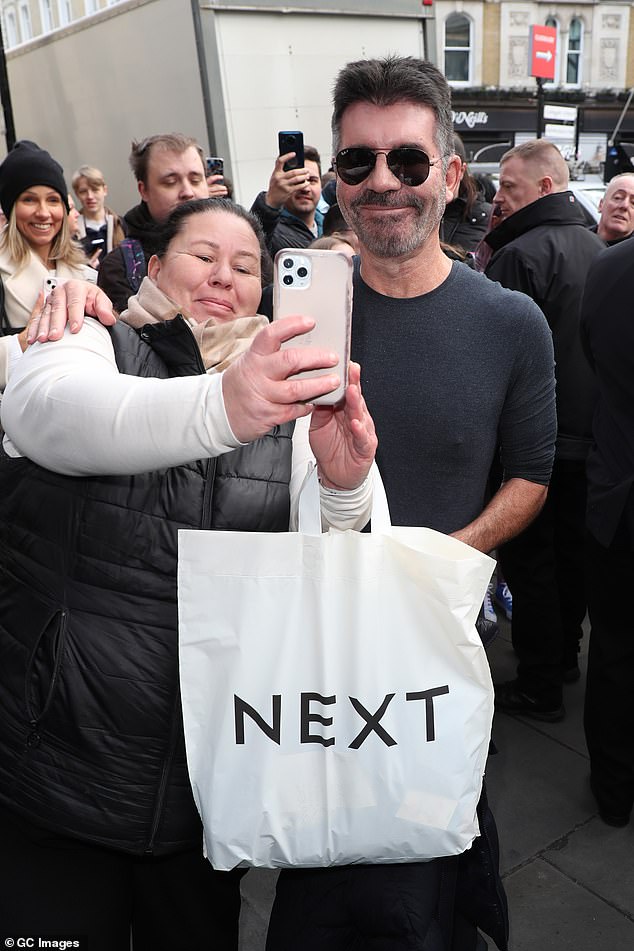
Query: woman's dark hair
{"type": "Point", "coordinates": [468, 189]}
{"type": "Point", "coordinates": [199, 206]}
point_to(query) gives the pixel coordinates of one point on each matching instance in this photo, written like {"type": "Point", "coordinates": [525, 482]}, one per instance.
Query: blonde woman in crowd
{"type": "Point", "coordinates": [36, 245]}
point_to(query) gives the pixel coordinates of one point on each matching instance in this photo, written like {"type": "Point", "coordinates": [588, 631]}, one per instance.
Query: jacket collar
{"type": "Point", "coordinates": [556, 209]}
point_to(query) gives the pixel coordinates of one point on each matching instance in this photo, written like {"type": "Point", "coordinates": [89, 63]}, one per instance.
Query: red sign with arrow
{"type": "Point", "coordinates": [543, 40]}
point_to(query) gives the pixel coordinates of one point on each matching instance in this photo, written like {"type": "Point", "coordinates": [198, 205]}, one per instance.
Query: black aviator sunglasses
{"type": "Point", "coordinates": [411, 166]}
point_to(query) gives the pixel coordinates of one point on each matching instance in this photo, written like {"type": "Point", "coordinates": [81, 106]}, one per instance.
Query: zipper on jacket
{"type": "Point", "coordinates": [33, 738]}
{"type": "Point", "coordinates": [165, 773]}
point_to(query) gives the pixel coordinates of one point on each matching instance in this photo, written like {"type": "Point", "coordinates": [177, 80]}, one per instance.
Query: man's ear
{"type": "Point", "coordinates": [153, 266]}
{"type": "Point", "coordinates": [546, 185]}
{"type": "Point", "coordinates": [453, 176]}
{"type": "Point", "coordinates": [142, 191]}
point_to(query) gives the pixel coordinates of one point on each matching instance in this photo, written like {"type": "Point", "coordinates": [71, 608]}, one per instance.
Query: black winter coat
{"type": "Point", "coordinates": [545, 251]}
{"type": "Point", "coordinates": [112, 277]}
{"type": "Point", "coordinates": [91, 736]}
{"type": "Point", "coordinates": [465, 229]}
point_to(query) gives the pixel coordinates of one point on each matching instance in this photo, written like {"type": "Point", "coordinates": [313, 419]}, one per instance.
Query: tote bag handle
{"type": "Point", "coordinates": [309, 508]}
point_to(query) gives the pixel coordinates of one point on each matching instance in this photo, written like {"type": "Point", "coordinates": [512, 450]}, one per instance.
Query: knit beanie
{"type": "Point", "coordinates": [25, 166]}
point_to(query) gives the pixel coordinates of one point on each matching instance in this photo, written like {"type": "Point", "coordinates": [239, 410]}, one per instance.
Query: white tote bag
{"type": "Point", "coordinates": [337, 700]}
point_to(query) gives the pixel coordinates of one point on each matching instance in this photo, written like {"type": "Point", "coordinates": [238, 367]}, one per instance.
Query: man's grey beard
{"type": "Point", "coordinates": [387, 240]}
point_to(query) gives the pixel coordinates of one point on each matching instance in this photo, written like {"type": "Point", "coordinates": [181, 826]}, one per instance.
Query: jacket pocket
{"type": "Point", "coordinates": [33, 634]}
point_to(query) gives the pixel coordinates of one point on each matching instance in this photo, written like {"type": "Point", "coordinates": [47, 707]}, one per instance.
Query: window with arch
{"type": "Point", "coordinates": [573, 58]}
{"type": "Point", "coordinates": [11, 27]}
{"type": "Point", "coordinates": [551, 21]}
{"type": "Point", "coordinates": [46, 15]}
{"type": "Point", "coordinates": [25, 22]}
{"type": "Point", "coordinates": [65, 12]}
{"type": "Point", "coordinates": [458, 46]}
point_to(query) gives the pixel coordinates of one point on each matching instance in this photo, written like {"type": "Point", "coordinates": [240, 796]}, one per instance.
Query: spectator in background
{"type": "Point", "coordinates": [617, 209]}
{"type": "Point", "coordinates": [169, 171]}
{"type": "Point", "coordinates": [335, 242]}
{"type": "Point", "coordinates": [335, 223]}
{"type": "Point", "coordinates": [73, 218]}
{"type": "Point", "coordinates": [329, 188]}
{"type": "Point", "coordinates": [37, 245]}
{"type": "Point", "coordinates": [466, 219]}
{"type": "Point", "coordinates": [608, 337]}
{"type": "Point", "coordinates": [542, 248]}
{"type": "Point", "coordinates": [100, 228]}
{"type": "Point", "coordinates": [288, 209]}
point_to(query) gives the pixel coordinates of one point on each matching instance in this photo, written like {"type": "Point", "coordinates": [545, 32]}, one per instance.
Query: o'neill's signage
{"type": "Point", "coordinates": [470, 119]}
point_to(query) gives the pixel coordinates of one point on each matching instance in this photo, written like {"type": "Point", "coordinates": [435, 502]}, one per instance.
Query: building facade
{"type": "Point", "coordinates": [483, 47]}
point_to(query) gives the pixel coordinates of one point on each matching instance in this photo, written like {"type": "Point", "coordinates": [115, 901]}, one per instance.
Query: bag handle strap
{"type": "Point", "coordinates": [309, 505]}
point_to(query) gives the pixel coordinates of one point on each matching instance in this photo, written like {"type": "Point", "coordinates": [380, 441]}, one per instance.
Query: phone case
{"type": "Point", "coordinates": [327, 298]}
{"type": "Point", "coordinates": [291, 142]}
{"type": "Point", "coordinates": [215, 165]}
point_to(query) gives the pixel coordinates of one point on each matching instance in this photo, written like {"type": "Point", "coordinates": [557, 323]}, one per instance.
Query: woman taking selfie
{"type": "Point", "coordinates": [125, 437]}
{"type": "Point", "coordinates": [36, 246]}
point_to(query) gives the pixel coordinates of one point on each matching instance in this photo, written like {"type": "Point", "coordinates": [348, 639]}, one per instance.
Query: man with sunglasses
{"type": "Point", "coordinates": [453, 366]}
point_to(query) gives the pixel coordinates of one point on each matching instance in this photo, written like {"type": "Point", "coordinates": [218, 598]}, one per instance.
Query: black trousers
{"type": "Point", "coordinates": [370, 908]}
{"type": "Point", "coordinates": [545, 570]}
{"type": "Point", "coordinates": [609, 704]}
{"type": "Point", "coordinates": [52, 884]}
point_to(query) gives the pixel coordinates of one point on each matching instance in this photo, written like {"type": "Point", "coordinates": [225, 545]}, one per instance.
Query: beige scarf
{"type": "Point", "coordinates": [220, 342]}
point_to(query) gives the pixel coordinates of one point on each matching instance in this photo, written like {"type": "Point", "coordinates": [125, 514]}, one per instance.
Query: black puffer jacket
{"type": "Point", "coordinates": [112, 277]}
{"type": "Point", "coordinates": [91, 737]}
{"type": "Point", "coordinates": [545, 250]}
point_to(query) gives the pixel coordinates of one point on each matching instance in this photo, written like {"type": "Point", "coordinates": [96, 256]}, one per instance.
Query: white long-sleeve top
{"type": "Point", "coordinates": [67, 408]}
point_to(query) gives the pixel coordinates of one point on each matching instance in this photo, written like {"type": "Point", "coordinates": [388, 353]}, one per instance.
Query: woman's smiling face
{"type": "Point", "coordinates": [39, 213]}
{"type": "Point", "coordinates": [212, 267]}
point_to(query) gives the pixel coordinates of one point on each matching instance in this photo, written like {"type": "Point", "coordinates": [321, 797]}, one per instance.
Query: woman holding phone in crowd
{"type": "Point", "coordinates": [36, 246]}
{"type": "Point", "coordinates": [115, 440]}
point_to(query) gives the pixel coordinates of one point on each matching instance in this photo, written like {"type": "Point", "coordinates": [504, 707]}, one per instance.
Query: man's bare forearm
{"type": "Point", "coordinates": [512, 508]}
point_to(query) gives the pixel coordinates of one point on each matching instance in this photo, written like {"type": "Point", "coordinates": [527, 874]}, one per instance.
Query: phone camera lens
{"type": "Point", "coordinates": [288, 278]}
{"type": "Point", "coordinates": [288, 262]}
{"type": "Point", "coordinates": [302, 271]}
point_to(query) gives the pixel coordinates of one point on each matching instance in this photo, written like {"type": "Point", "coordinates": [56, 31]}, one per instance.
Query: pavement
{"type": "Point", "coordinates": [569, 877]}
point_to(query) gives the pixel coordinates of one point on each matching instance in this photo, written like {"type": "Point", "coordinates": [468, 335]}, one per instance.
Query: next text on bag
{"type": "Point", "coordinates": [372, 724]}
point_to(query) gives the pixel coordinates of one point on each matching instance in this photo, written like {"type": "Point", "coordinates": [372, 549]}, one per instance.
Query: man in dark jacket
{"type": "Point", "coordinates": [169, 171]}
{"type": "Point", "coordinates": [542, 248]}
{"type": "Point", "coordinates": [288, 208]}
{"type": "Point", "coordinates": [608, 335]}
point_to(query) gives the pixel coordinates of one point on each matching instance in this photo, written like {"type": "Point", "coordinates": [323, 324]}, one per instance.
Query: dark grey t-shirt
{"type": "Point", "coordinates": [448, 377]}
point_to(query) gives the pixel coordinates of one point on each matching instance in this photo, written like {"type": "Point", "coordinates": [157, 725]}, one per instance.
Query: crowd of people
{"type": "Point", "coordinates": [476, 403]}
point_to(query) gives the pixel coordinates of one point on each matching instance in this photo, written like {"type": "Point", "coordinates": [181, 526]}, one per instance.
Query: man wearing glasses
{"type": "Point", "coordinates": [453, 367]}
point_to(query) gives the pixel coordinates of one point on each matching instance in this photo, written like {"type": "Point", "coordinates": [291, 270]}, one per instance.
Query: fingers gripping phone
{"type": "Point", "coordinates": [317, 284]}
{"type": "Point", "coordinates": [291, 142]}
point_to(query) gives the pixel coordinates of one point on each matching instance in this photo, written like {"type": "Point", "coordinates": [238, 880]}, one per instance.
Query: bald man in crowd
{"type": "Point", "coordinates": [542, 247]}
{"type": "Point", "coordinates": [617, 209]}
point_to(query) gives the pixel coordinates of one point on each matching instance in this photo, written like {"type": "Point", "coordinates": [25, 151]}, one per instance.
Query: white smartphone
{"type": "Point", "coordinates": [49, 283]}
{"type": "Point", "coordinates": [317, 284]}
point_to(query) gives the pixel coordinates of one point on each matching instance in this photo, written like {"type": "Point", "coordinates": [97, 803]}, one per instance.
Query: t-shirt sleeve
{"type": "Point", "coordinates": [528, 424]}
